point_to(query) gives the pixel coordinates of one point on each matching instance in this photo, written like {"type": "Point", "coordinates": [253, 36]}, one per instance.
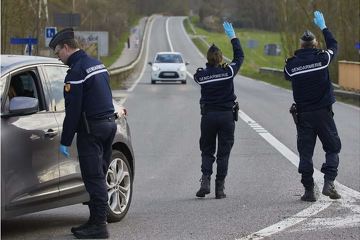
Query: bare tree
{"type": "Point", "coordinates": [342, 18]}
{"type": "Point", "coordinates": [17, 21]}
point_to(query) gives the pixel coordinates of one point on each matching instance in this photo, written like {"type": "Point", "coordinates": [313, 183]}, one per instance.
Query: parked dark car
{"type": "Point", "coordinates": [34, 175]}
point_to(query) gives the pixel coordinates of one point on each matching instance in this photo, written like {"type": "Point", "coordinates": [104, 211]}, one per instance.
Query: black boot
{"type": "Point", "coordinates": [92, 231]}
{"type": "Point", "coordinates": [329, 190]}
{"type": "Point", "coordinates": [204, 186]}
{"type": "Point", "coordinates": [82, 226]}
{"type": "Point", "coordinates": [309, 195]}
{"type": "Point", "coordinates": [89, 221]}
{"type": "Point", "coordinates": [219, 189]}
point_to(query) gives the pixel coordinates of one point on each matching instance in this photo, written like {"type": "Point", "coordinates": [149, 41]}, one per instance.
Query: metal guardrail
{"type": "Point", "coordinates": [354, 96]}
{"type": "Point", "coordinates": [275, 71]}
{"type": "Point", "coordinates": [119, 74]}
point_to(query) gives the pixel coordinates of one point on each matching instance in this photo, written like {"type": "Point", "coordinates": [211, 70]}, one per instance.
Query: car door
{"type": "Point", "coordinates": [29, 159]}
{"type": "Point", "coordinates": [70, 174]}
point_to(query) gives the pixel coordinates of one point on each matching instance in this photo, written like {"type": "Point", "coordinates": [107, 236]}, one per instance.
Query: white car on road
{"type": "Point", "coordinates": [168, 66]}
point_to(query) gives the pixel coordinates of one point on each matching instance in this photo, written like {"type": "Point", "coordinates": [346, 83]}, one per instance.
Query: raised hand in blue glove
{"type": "Point", "coordinates": [64, 150]}
{"type": "Point", "coordinates": [319, 20]}
{"type": "Point", "coordinates": [229, 30]}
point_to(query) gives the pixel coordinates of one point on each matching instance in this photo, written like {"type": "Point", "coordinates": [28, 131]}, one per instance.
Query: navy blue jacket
{"type": "Point", "coordinates": [217, 83]}
{"type": "Point", "coordinates": [309, 75]}
{"type": "Point", "coordinates": [86, 90]}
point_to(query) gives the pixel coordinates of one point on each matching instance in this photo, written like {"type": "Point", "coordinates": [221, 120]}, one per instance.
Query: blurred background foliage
{"type": "Point", "coordinates": [289, 18]}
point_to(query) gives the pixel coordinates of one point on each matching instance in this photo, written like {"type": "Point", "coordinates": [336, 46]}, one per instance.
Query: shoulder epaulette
{"type": "Point", "coordinates": [319, 51]}
{"type": "Point", "coordinates": [224, 65]}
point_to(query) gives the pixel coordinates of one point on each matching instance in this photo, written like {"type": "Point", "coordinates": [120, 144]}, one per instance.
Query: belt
{"type": "Point", "coordinates": [214, 108]}
{"type": "Point", "coordinates": [107, 119]}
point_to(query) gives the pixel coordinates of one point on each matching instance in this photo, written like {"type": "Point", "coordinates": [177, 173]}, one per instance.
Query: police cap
{"type": "Point", "coordinates": [307, 36]}
{"type": "Point", "coordinates": [67, 33]}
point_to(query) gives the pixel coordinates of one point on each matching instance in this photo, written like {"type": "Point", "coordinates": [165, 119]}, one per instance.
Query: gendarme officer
{"type": "Point", "coordinates": [218, 114]}
{"type": "Point", "coordinates": [90, 114]}
{"type": "Point", "coordinates": [313, 95]}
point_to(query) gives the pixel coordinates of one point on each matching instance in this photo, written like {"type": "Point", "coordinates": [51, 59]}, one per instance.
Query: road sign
{"type": "Point", "coordinates": [49, 34]}
{"type": "Point", "coordinates": [27, 41]}
{"type": "Point", "coordinates": [67, 19]}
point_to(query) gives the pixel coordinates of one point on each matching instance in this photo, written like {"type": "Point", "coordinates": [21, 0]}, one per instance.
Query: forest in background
{"type": "Point", "coordinates": [23, 18]}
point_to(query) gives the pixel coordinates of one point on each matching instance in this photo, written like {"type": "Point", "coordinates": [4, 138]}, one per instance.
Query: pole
{"type": "Point", "coordinates": [29, 46]}
{"type": "Point", "coordinates": [37, 27]}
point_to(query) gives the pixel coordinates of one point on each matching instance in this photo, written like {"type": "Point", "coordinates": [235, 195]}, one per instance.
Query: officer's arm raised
{"type": "Point", "coordinates": [331, 43]}
{"type": "Point", "coordinates": [238, 57]}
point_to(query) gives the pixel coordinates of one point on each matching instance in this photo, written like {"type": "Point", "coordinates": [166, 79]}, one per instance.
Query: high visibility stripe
{"type": "Point", "coordinates": [310, 70]}
{"type": "Point", "coordinates": [219, 79]}
{"type": "Point", "coordinates": [330, 51]}
{"type": "Point", "coordinates": [87, 76]}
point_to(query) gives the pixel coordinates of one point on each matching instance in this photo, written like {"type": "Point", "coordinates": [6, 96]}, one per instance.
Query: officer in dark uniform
{"type": "Point", "coordinates": [218, 112]}
{"type": "Point", "coordinates": [313, 95]}
{"type": "Point", "coordinates": [90, 114]}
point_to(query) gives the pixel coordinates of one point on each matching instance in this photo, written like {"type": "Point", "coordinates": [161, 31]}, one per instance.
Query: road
{"type": "Point", "coordinates": [263, 187]}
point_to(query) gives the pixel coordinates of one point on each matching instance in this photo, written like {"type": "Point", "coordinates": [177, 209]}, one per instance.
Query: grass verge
{"type": "Point", "coordinates": [116, 53]}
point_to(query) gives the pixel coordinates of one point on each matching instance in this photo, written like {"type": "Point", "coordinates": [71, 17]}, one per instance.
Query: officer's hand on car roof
{"type": "Point", "coordinates": [229, 30]}
{"type": "Point", "coordinates": [319, 20]}
{"type": "Point", "coordinates": [64, 150]}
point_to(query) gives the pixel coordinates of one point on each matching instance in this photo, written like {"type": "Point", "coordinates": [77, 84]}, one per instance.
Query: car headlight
{"type": "Point", "coordinates": [182, 68]}
{"type": "Point", "coordinates": [155, 68]}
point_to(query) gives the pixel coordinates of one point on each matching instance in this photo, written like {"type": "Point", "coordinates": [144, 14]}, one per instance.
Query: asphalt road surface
{"type": "Point", "coordinates": [263, 187]}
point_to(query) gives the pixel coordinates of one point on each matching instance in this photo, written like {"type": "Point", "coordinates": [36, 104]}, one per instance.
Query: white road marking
{"type": "Point", "coordinates": [187, 36]}
{"type": "Point", "coordinates": [349, 199]}
{"type": "Point", "coordinates": [349, 196]}
{"type": "Point", "coordinates": [145, 62]}
{"type": "Point", "coordinates": [168, 35]}
{"type": "Point", "coordinates": [289, 222]}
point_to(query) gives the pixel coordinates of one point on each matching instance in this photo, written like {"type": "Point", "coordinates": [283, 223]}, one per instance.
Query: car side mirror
{"type": "Point", "coordinates": [187, 63]}
{"type": "Point", "coordinates": [150, 63]}
{"type": "Point", "coordinates": [23, 105]}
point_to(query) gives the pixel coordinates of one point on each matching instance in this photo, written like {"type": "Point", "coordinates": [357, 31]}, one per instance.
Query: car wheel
{"type": "Point", "coordinates": [119, 181]}
{"type": "Point", "coordinates": [153, 81]}
{"type": "Point", "coordinates": [183, 82]}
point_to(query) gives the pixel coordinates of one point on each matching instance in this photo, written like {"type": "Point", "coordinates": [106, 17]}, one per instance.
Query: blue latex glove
{"type": "Point", "coordinates": [229, 30]}
{"type": "Point", "coordinates": [319, 20]}
{"type": "Point", "coordinates": [64, 150]}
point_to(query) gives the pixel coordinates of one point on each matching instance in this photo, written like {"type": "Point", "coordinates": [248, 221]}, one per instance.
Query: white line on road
{"type": "Point", "coordinates": [350, 196]}
{"type": "Point", "coordinates": [146, 57]}
{"type": "Point", "coordinates": [187, 36]}
{"type": "Point", "coordinates": [168, 35]}
{"type": "Point", "coordinates": [348, 201]}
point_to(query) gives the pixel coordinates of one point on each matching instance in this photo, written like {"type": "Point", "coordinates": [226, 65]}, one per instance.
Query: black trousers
{"type": "Point", "coordinates": [94, 151]}
{"type": "Point", "coordinates": [319, 123]}
{"type": "Point", "coordinates": [218, 126]}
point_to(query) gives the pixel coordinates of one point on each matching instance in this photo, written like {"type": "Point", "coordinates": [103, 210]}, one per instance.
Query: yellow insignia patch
{"type": "Point", "coordinates": [224, 65]}
{"type": "Point", "coordinates": [67, 87]}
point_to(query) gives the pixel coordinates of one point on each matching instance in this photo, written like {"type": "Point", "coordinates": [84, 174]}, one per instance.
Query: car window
{"type": "Point", "coordinates": [56, 76]}
{"type": "Point", "coordinates": [168, 58]}
{"type": "Point", "coordinates": [24, 84]}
